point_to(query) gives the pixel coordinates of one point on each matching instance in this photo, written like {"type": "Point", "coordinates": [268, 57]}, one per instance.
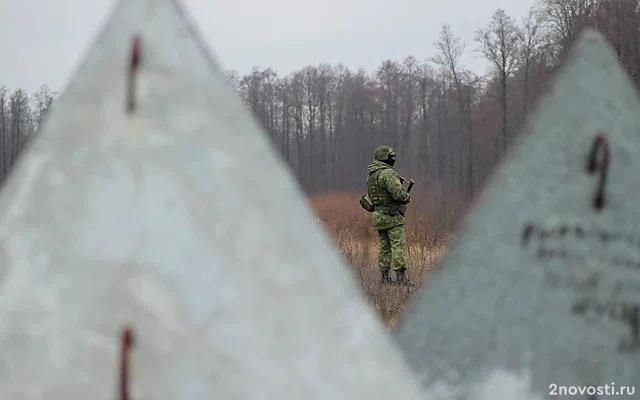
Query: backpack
{"type": "Point", "coordinates": [365, 199]}
{"type": "Point", "coordinates": [366, 203]}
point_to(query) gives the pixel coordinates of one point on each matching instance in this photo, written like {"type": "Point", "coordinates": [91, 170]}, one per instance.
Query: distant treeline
{"type": "Point", "coordinates": [449, 125]}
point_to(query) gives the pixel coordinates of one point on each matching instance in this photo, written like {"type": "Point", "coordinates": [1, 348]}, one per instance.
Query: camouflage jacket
{"type": "Point", "coordinates": [388, 196]}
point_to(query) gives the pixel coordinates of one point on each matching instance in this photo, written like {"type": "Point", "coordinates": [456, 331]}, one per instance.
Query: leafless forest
{"type": "Point", "coordinates": [449, 125]}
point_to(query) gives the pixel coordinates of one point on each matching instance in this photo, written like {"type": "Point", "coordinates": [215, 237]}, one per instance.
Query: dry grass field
{"type": "Point", "coordinates": [350, 227]}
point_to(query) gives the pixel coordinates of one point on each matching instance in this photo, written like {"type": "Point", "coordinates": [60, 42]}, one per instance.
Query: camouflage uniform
{"type": "Point", "coordinates": [389, 200]}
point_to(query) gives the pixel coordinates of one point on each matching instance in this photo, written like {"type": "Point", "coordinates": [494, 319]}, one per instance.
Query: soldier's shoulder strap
{"type": "Point", "coordinates": [378, 173]}
{"type": "Point", "coordinates": [377, 178]}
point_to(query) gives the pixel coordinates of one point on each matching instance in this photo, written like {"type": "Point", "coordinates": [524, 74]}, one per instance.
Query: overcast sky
{"type": "Point", "coordinates": [41, 41]}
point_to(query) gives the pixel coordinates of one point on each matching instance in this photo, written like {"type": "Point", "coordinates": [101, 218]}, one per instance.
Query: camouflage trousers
{"type": "Point", "coordinates": [392, 248]}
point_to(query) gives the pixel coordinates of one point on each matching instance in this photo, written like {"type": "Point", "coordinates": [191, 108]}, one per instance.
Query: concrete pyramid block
{"type": "Point", "coordinates": [540, 291]}
{"type": "Point", "coordinates": [152, 211]}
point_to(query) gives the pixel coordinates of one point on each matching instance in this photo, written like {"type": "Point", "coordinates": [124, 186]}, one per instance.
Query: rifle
{"type": "Point", "coordinates": [411, 183]}
{"type": "Point", "coordinates": [403, 208]}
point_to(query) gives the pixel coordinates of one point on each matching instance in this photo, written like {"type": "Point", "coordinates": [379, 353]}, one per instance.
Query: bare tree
{"type": "Point", "coordinates": [5, 130]}
{"type": "Point", "coordinates": [22, 126]}
{"type": "Point", "coordinates": [499, 44]}
{"type": "Point", "coordinates": [42, 103]}
{"type": "Point", "coordinates": [530, 35]}
{"type": "Point", "coordinates": [564, 19]}
{"type": "Point", "coordinates": [450, 49]}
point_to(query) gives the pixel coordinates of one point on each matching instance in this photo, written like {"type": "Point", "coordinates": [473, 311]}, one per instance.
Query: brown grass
{"type": "Point", "coordinates": [429, 223]}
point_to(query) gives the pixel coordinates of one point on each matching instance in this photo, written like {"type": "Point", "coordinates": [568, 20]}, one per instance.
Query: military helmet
{"type": "Point", "coordinates": [383, 153]}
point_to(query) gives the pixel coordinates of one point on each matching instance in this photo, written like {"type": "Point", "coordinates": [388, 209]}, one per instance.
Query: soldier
{"type": "Point", "coordinates": [389, 201]}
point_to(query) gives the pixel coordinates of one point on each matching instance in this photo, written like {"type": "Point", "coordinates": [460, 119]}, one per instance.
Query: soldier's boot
{"type": "Point", "coordinates": [401, 277]}
{"type": "Point", "coordinates": [385, 279]}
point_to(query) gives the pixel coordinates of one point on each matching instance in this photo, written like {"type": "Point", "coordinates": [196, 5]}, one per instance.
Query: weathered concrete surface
{"type": "Point", "coordinates": [180, 221]}
{"type": "Point", "coordinates": [539, 287]}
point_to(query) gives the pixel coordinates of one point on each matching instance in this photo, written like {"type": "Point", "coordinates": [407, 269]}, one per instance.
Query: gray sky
{"type": "Point", "coordinates": [41, 41]}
